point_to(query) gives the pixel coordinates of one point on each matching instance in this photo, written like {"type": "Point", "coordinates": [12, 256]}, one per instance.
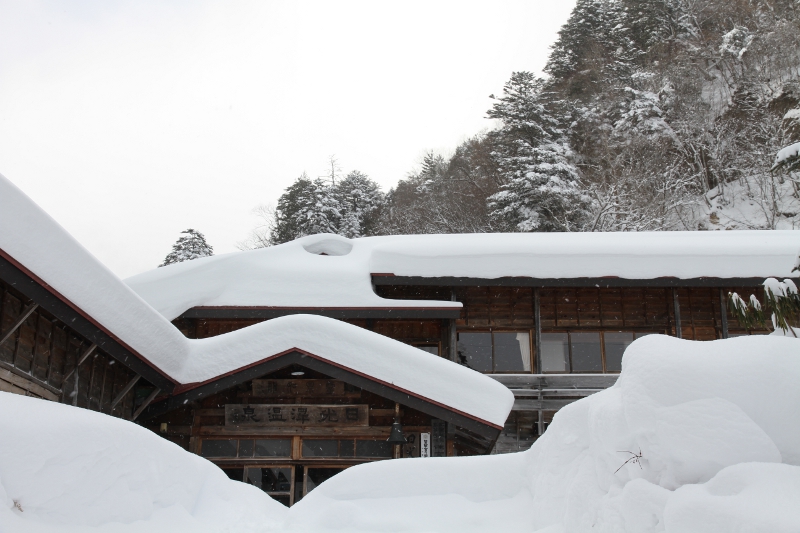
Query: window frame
{"type": "Point", "coordinates": [568, 331]}
{"type": "Point", "coordinates": [492, 331]}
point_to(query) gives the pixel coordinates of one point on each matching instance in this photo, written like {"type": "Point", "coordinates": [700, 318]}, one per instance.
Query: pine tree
{"type": "Point", "coordinates": [542, 187]}
{"type": "Point", "coordinates": [321, 212]}
{"type": "Point", "coordinates": [192, 246]}
{"type": "Point", "coordinates": [296, 199]}
{"type": "Point", "coordinates": [360, 201]}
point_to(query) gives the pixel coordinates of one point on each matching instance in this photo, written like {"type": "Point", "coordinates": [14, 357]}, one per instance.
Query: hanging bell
{"type": "Point", "coordinates": [396, 436]}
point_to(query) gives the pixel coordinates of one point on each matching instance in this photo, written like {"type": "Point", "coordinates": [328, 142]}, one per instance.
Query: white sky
{"type": "Point", "coordinates": [129, 122]}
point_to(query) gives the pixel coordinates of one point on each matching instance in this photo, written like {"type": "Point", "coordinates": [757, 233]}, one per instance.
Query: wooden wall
{"type": "Point", "coordinates": [35, 359]}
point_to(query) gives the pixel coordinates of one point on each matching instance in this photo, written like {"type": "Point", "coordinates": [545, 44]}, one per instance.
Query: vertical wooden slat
{"type": "Point", "coordinates": [723, 313]}
{"type": "Point", "coordinates": [677, 311]}
{"type": "Point", "coordinates": [537, 335]}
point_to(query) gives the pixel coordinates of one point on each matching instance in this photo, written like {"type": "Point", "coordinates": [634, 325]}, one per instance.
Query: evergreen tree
{"type": "Point", "coordinates": [191, 246]}
{"type": "Point", "coordinates": [542, 187]}
{"type": "Point", "coordinates": [360, 200]}
{"type": "Point", "coordinates": [321, 212]}
{"type": "Point", "coordinates": [296, 199]}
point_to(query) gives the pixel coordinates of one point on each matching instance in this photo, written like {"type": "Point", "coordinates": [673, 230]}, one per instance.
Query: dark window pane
{"type": "Point", "coordinates": [430, 348]}
{"type": "Point", "coordinates": [616, 342]}
{"type": "Point", "coordinates": [320, 448]}
{"type": "Point", "coordinates": [512, 352]}
{"type": "Point", "coordinates": [316, 476]}
{"type": "Point", "coordinates": [273, 448]}
{"type": "Point", "coordinates": [270, 479]}
{"type": "Point", "coordinates": [643, 334]}
{"type": "Point", "coordinates": [282, 498]}
{"type": "Point", "coordinates": [346, 448]}
{"type": "Point", "coordinates": [246, 448]}
{"type": "Point", "coordinates": [236, 474]}
{"type": "Point", "coordinates": [373, 448]}
{"type": "Point", "coordinates": [555, 352]}
{"type": "Point", "coordinates": [475, 351]}
{"type": "Point", "coordinates": [218, 448]}
{"type": "Point", "coordinates": [586, 353]}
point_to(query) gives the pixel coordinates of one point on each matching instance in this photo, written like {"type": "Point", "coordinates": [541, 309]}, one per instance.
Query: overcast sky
{"type": "Point", "coordinates": [129, 122]}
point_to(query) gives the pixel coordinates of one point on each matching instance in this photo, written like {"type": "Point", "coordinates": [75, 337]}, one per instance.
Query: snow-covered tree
{"type": "Point", "coordinates": [191, 246]}
{"type": "Point", "coordinates": [542, 189]}
{"type": "Point", "coordinates": [360, 201]}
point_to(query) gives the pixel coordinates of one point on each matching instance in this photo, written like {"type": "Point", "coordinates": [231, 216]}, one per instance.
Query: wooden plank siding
{"type": "Point", "coordinates": [37, 356]}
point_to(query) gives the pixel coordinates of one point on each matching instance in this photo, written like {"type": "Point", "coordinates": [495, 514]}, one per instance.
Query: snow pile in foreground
{"type": "Point", "coordinates": [73, 470]}
{"type": "Point", "coordinates": [716, 426]}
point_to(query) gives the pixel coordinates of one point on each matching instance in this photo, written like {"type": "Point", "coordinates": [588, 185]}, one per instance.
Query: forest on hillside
{"type": "Point", "coordinates": [652, 115]}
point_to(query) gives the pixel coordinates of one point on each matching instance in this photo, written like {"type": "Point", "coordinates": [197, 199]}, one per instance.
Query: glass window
{"type": "Point", "coordinates": [643, 334]}
{"type": "Point", "coordinates": [512, 352]}
{"type": "Point", "coordinates": [616, 342]}
{"type": "Point", "coordinates": [320, 448]}
{"type": "Point", "coordinates": [475, 350]}
{"type": "Point", "coordinates": [273, 448]}
{"type": "Point", "coordinates": [430, 348]}
{"type": "Point", "coordinates": [316, 476]}
{"type": "Point", "coordinates": [246, 448]}
{"type": "Point", "coordinates": [587, 355]}
{"type": "Point", "coordinates": [555, 352]}
{"type": "Point", "coordinates": [236, 474]}
{"type": "Point", "coordinates": [346, 448]}
{"type": "Point", "coordinates": [270, 479]}
{"type": "Point", "coordinates": [218, 448]}
{"type": "Point", "coordinates": [373, 448]}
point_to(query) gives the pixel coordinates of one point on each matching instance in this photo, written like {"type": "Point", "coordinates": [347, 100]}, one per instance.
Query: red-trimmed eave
{"type": "Point", "coordinates": [328, 308]}
{"type": "Point", "coordinates": [189, 386]}
{"type": "Point", "coordinates": [81, 312]}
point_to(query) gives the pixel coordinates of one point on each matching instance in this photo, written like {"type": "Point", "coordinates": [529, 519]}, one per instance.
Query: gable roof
{"type": "Point", "coordinates": [33, 245]}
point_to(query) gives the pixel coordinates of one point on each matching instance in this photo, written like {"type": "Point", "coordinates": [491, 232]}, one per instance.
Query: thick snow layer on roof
{"type": "Point", "coordinates": [716, 426]}
{"type": "Point", "coordinates": [38, 243]}
{"type": "Point", "coordinates": [69, 470]}
{"type": "Point", "coordinates": [295, 275]}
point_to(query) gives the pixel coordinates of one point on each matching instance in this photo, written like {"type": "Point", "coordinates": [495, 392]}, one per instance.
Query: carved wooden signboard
{"type": "Point", "coordinates": [317, 388]}
{"type": "Point", "coordinates": [294, 415]}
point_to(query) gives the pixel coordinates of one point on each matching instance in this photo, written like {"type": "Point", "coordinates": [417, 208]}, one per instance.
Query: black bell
{"type": "Point", "coordinates": [396, 436]}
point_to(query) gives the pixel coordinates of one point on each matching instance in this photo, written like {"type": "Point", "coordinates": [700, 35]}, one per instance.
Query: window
{"type": "Point", "coordinates": [499, 351]}
{"type": "Point", "coordinates": [232, 448]}
{"type": "Point", "coordinates": [585, 351]}
{"type": "Point", "coordinates": [320, 448]}
{"type": "Point", "coordinates": [315, 476]}
{"type": "Point", "coordinates": [615, 343]}
{"type": "Point", "coordinates": [555, 352]}
{"type": "Point", "coordinates": [587, 355]}
{"type": "Point", "coordinates": [430, 348]}
{"type": "Point", "coordinates": [373, 448]}
{"type": "Point", "coordinates": [277, 481]}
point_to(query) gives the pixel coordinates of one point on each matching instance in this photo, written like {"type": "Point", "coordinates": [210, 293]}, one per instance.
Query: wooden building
{"type": "Point", "coordinates": [458, 345]}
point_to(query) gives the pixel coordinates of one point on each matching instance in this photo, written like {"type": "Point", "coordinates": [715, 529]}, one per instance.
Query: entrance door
{"type": "Point", "coordinates": [275, 480]}
{"type": "Point", "coordinates": [315, 475]}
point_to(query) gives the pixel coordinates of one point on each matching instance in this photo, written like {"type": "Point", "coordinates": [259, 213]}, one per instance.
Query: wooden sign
{"type": "Point", "coordinates": [296, 415]}
{"type": "Point", "coordinates": [424, 444]}
{"type": "Point", "coordinates": [315, 388]}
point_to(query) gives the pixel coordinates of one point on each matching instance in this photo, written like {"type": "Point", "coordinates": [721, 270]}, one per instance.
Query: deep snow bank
{"type": "Point", "coordinates": [73, 470]}
{"type": "Point", "coordinates": [716, 424]}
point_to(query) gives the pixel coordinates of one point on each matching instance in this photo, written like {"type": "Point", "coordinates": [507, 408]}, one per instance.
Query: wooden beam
{"type": "Point", "coordinates": [81, 360]}
{"type": "Point", "coordinates": [21, 373]}
{"type": "Point", "coordinates": [146, 403]}
{"type": "Point", "coordinates": [124, 391]}
{"type": "Point", "coordinates": [452, 334]}
{"type": "Point", "coordinates": [522, 281]}
{"type": "Point", "coordinates": [22, 318]}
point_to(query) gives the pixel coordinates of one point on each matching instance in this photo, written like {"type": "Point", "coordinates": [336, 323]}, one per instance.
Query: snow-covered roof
{"type": "Point", "coordinates": [295, 275]}
{"type": "Point", "coordinates": [37, 243]}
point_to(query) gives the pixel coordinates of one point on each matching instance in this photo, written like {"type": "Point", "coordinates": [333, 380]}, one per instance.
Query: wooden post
{"type": "Point", "coordinates": [677, 307]}
{"type": "Point", "coordinates": [396, 419]}
{"type": "Point", "coordinates": [537, 336]}
{"type": "Point", "coordinates": [22, 318]}
{"type": "Point", "coordinates": [453, 335]}
{"type": "Point", "coordinates": [723, 311]}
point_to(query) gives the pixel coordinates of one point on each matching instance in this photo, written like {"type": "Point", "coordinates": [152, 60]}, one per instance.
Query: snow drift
{"type": "Point", "coordinates": [716, 426]}
{"type": "Point", "coordinates": [74, 470]}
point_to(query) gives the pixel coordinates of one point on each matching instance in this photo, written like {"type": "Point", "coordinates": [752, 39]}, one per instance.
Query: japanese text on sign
{"type": "Point", "coordinates": [296, 415]}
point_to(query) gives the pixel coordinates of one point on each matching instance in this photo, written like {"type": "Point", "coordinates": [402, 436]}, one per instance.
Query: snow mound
{"type": "Point", "coordinates": [327, 244]}
{"type": "Point", "coordinates": [694, 436]}
{"type": "Point", "coordinates": [73, 470]}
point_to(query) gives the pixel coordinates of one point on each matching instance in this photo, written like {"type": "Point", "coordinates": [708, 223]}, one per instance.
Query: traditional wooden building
{"type": "Point", "coordinates": [286, 365]}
